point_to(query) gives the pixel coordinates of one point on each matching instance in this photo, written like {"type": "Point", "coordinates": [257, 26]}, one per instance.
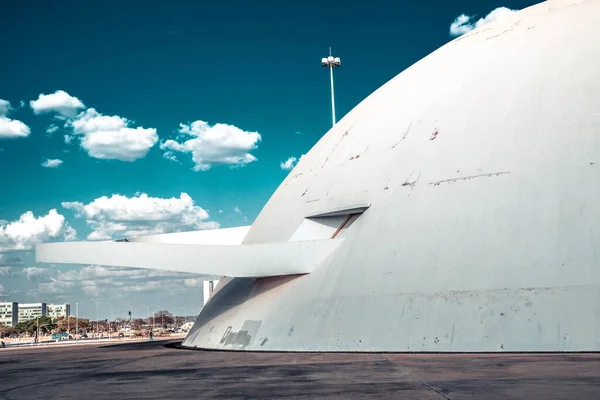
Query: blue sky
{"type": "Point", "coordinates": [144, 84]}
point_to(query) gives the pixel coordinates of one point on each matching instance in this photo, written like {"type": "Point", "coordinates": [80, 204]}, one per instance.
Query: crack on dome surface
{"type": "Point", "coordinates": [465, 178]}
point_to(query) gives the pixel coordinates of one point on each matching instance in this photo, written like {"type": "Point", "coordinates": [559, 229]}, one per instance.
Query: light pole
{"type": "Point", "coordinates": [184, 315]}
{"type": "Point", "coordinates": [68, 316]}
{"type": "Point", "coordinates": [162, 317]}
{"type": "Point", "coordinates": [331, 63]}
{"type": "Point", "coordinates": [97, 320]}
{"type": "Point", "coordinates": [76, 320]}
{"type": "Point", "coordinates": [149, 316]}
{"type": "Point", "coordinates": [130, 314]}
{"type": "Point", "coordinates": [111, 318]}
{"type": "Point", "coordinates": [37, 334]}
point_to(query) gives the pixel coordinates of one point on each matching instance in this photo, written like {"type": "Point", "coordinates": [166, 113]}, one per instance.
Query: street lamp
{"type": "Point", "coordinates": [111, 318]}
{"type": "Point", "coordinates": [149, 316]}
{"type": "Point", "coordinates": [97, 320]}
{"type": "Point", "coordinates": [37, 334]}
{"type": "Point", "coordinates": [76, 320]}
{"type": "Point", "coordinates": [184, 315]}
{"type": "Point", "coordinates": [162, 317]}
{"type": "Point", "coordinates": [331, 63]}
{"type": "Point", "coordinates": [68, 316]}
{"type": "Point", "coordinates": [130, 314]}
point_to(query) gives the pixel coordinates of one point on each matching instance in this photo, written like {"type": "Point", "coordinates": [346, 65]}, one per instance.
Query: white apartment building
{"type": "Point", "coordinates": [58, 310]}
{"type": "Point", "coordinates": [9, 313]}
{"type": "Point", "coordinates": [29, 311]}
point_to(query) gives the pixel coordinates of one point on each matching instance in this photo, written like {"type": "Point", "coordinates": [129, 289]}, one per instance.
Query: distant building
{"type": "Point", "coordinates": [29, 311]}
{"type": "Point", "coordinates": [9, 313]}
{"type": "Point", "coordinates": [58, 310]}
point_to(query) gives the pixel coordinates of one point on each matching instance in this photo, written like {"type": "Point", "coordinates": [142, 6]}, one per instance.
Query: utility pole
{"type": "Point", "coordinates": [331, 63]}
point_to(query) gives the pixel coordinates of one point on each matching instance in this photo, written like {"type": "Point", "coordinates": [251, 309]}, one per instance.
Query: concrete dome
{"type": "Point", "coordinates": [479, 170]}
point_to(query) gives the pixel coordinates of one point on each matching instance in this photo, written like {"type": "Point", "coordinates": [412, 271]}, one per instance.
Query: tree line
{"type": "Point", "coordinates": [69, 325]}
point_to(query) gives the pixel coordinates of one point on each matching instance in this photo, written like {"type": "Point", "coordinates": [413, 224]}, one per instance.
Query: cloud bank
{"type": "Point", "coordinates": [120, 216]}
{"type": "Point", "coordinates": [28, 230]}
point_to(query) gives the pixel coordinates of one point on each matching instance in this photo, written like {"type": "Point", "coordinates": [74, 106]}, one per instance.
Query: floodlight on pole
{"type": "Point", "coordinates": [331, 63]}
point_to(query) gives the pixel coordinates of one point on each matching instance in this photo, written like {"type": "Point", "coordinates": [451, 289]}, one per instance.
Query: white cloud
{"type": "Point", "coordinates": [4, 107]}
{"type": "Point", "coordinates": [51, 129]}
{"type": "Point", "coordinates": [55, 286]}
{"type": "Point", "coordinates": [11, 128]}
{"type": "Point", "coordinates": [115, 281]}
{"type": "Point", "coordinates": [110, 137]}
{"type": "Point", "coordinates": [237, 210]}
{"type": "Point", "coordinates": [463, 23]}
{"type": "Point", "coordinates": [59, 102]}
{"type": "Point", "coordinates": [288, 164]}
{"type": "Point", "coordinates": [28, 230]}
{"type": "Point", "coordinates": [7, 271]}
{"type": "Point", "coordinates": [120, 216]}
{"type": "Point", "coordinates": [33, 273]}
{"type": "Point", "coordinates": [215, 145]}
{"type": "Point", "coordinates": [52, 163]}
{"type": "Point", "coordinates": [170, 156]}
{"type": "Point", "coordinates": [1, 288]}
{"type": "Point", "coordinates": [193, 282]}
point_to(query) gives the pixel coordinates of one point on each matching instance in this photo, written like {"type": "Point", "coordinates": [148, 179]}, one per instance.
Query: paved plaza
{"type": "Point", "coordinates": [161, 370]}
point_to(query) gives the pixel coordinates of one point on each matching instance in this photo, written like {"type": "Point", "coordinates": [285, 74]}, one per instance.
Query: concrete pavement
{"type": "Point", "coordinates": [160, 370]}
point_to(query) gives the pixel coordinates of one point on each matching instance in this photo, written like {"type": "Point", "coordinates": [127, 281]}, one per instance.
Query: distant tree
{"type": "Point", "coordinates": [136, 323]}
{"type": "Point", "coordinates": [82, 323]}
{"type": "Point", "coordinates": [70, 324]}
{"type": "Point", "coordinates": [46, 324]}
{"type": "Point", "coordinates": [4, 331]}
{"type": "Point", "coordinates": [8, 331]}
{"type": "Point", "coordinates": [119, 323]}
{"type": "Point", "coordinates": [163, 318]}
{"type": "Point", "coordinates": [30, 327]}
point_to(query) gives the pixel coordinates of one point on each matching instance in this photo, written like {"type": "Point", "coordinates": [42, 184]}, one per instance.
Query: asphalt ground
{"type": "Point", "coordinates": [162, 370]}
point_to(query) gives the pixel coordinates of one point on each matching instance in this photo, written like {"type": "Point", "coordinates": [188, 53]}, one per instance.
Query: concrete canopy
{"type": "Point", "coordinates": [476, 176]}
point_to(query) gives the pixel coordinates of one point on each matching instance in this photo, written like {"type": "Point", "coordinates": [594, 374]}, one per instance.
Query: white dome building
{"type": "Point", "coordinates": [455, 209]}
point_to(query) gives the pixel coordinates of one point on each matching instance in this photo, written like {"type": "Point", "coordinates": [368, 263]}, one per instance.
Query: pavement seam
{"type": "Point", "coordinates": [416, 378]}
